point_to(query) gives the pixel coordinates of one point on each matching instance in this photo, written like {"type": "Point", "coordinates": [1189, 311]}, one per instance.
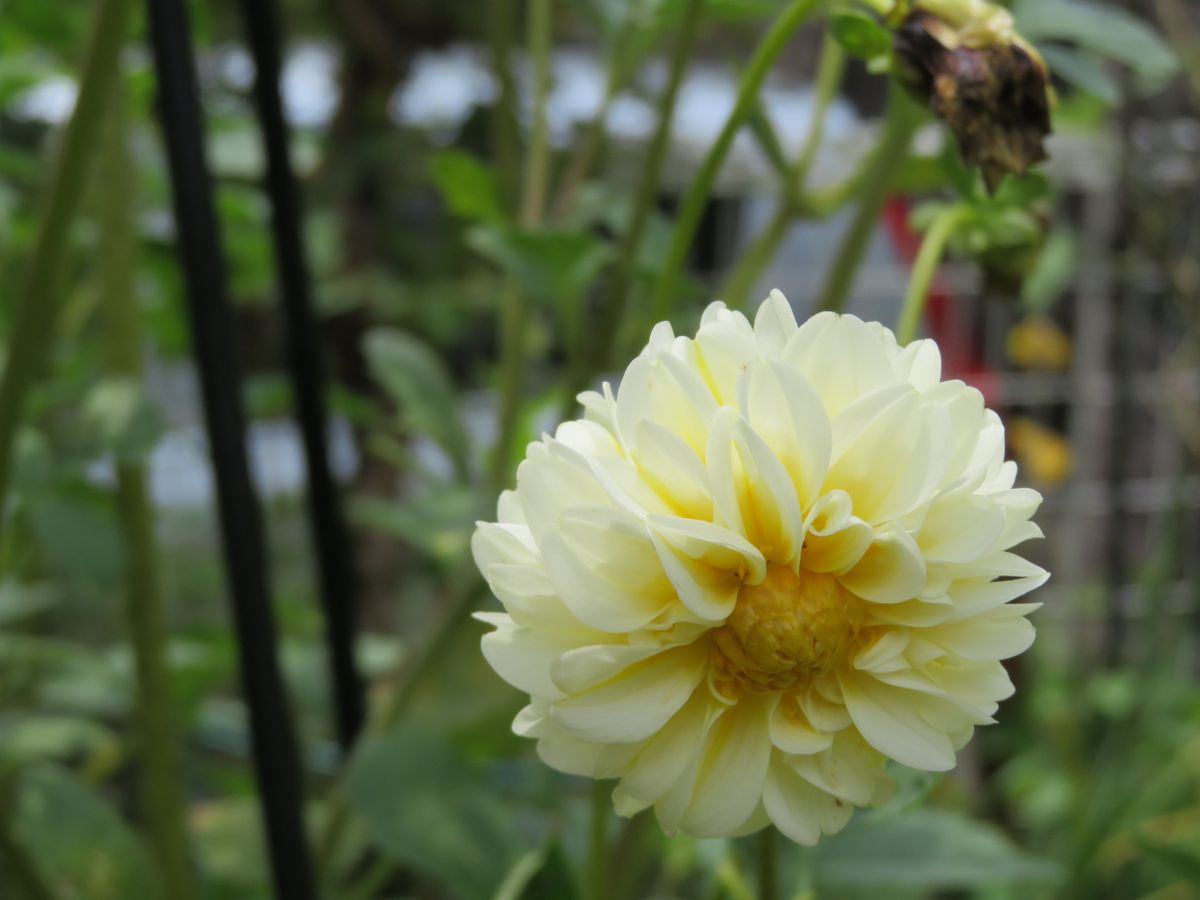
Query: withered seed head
{"type": "Point", "coordinates": [986, 83]}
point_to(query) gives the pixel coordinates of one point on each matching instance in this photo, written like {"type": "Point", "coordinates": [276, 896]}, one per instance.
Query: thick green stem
{"type": "Point", "coordinates": [160, 745]}
{"type": "Point", "coordinates": [768, 864]}
{"type": "Point", "coordinates": [500, 16]}
{"type": "Point", "coordinates": [618, 295]}
{"type": "Point", "coordinates": [757, 257]}
{"type": "Point", "coordinates": [596, 886]}
{"type": "Point", "coordinates": [887, 159]}
{"type": "Point", "coordinates": [514, 305]}
{"type": "Point", "coordinates": [695, 199]}
{"type": "Point", "coordinates": [37, 303]}
{"type": "Point", "coordinates": [925, 267]}
{"type": "Point", "coordinates": [831, 67]}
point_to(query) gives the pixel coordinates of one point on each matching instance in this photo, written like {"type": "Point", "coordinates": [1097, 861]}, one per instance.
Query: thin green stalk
{"type": "Point", "coordinates": [38, 302]}
{"type": "Point", "coordinates": [160, 745]}
{"type": "Point", "coordinates": [695, 199]}
{"type": "Point", "coordinates": [886, 161]}
{"type": "Point", "coordinates": [613, 310]}
{"type": "Point", "coordinates": [757, 257]}
{"type": "Point", "coordinates": [925, 267]}
{"type": "Point", "coordinates": [795, 201]}
{"type": "Point", "coordinates": [596, 886]}
{"type": "Point", "coordinates": [500, 16]}
{"type": "Point", "coordinates": [831, 67]}
{"type": "Point", "coordinates": [514, 305]}
{"type": "Point", "coordinates": [768, 864]}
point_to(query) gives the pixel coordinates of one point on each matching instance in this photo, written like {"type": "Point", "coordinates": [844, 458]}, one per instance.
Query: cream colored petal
{"type": "Point", "coordinates": [913, 613]}
{"type": "Point", "coordinates": [792, 732]}
{"type": "Point", "coordinates": [752, 493]}
{"type": "Point", "coordinates": [634, 705]}
{"type": "Point", "coordinates": [495, 542]}
{"type": "Point", "coordinates": [673, 469]}
{"type": "Point", "coordinates": [999, 633]}
{"type": "Point", "coordinates": [725, 352]}
{"type": "Point", "coordinates": [529, 597]}
{"type": "Point", "coordinates": [668, 755]}
{"type": "Point", "coordinates": [786, 412]}
{"type": "Point", "coordinates": [834, 538]}
{"type": "Point", "coordinates": [604, 566]}
{"type": "Point", "coordinates": [732, 772]}
{"type": "Point", "coordinates": [887, 719]}
{"type": "Point", "coordinates": [842, 357]}
{"type": "Point", "coordinates": [847, 770]}
{"type": "Point", "coordinates": [547, 485]}
{"type": "Point", "coordinates": [523, 656]}
{"type": "Point", "coordinates": [508, 509]}
{"type": "Point", "coordinates": [573, 756]}
{"type": "Point", "coordinates": [882, 653]}
{"type": "Point", "coordinates": [891, 571]}
{"type": "Point", "coordinates": [774, 324]}
{"type": "Point", "coordinates": [825, 714]}
{"type": "Point", "coordinates": [887, 463]}
{"type": "Point", "coordinates": [920, 364]}
{"type": "Point", "coordinates": [961, 530]}
{"type": "Point", "coordinates": [792, 803]}
{"type": "Point", "coordinates": [581, 668]}
{"type": "Point", "coordinates": [667, 392]}
{"type": "Point", "coordinates": [706, 564]}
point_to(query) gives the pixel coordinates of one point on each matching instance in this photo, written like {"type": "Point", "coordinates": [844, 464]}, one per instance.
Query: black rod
{"type": "Point", "coordinates": [276, 761]}
{"type": "Point", "coordinates": [335, 570]}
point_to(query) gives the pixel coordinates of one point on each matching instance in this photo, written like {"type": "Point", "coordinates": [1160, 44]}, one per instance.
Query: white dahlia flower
{"type": "Point", "coordinates": [777, 557]}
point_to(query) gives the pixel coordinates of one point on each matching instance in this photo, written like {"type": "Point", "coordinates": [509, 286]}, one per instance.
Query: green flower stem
{"type": "Point", "coordinates": [160, 745]}
{"type": "Point", "coordinates": [38, 302]}
{"type": "Point", "coordinates": [795, 202]}
{"type": "Point", "coordinates": [596, 886]}
{"type": "Point", "coordinates": [514, 305]}
{"type": "Point", "coordinates": [699, 190]}
{"type": "Point", "coordinates": [924, 268]}
{"type": "Point", "coordinates": [622, 282]}
{"type": "Point", "coordinates": [885, 163]}
{"type": "Point", "coordinates": [500, 16]}
{"type": "Point", "coordinates": [768, 864]}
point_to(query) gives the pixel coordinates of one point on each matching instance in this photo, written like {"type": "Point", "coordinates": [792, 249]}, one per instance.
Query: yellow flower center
{"type": "Point", "coordinates": [787, 629]}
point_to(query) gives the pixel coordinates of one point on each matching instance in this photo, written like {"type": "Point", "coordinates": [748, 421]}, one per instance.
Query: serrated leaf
{"type": "Point", "coordinates": [415, 377]}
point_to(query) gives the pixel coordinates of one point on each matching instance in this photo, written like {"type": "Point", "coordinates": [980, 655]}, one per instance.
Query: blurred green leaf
{"type": "Point", "coordinates": [19, 601]}
{"type": "Point", "coordinates": [33, 737]}
{"type": "Point", "coordinates": [1108, 30]}
{"type": "Point", "coordinates": [414, 375]}
{"type": "Point", "coordinates": [1084, 71]}
{"type": "Point", "coordinates": [1053, 272]}
{"type": "Point", "coordinates": [539, 875]}
{"type": "Point", "coordinates": [439, 523]}
{"type": "Point", "coordinates": [79, 840]}
{"type": "Point", "coordinates": [426, 808]}
{"type": "Point", "coordinates": [859, 34]}
{"type": "Point", "coordinates": [553, 266]}
{"type": "Point", "coordinates": [1181, 860]}
{"type": "Point", "coordinates": [123, 417]}
{"type": "Point", "coordinates": [468, 186]}
{"type": "Point", "coordinates": [928, 849]}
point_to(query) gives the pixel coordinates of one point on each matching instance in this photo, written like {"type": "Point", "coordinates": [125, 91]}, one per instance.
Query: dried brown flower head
{"type": "Point", "coordinates": [982, 79]}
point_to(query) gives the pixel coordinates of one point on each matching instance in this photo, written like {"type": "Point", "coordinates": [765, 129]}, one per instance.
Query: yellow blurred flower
{"type": "Point", "coordinates": [764, 566]}
{"type": "Point", "coordinates": [1037, 342]}
{"type": "Point", "coordinates": [1045, 454]}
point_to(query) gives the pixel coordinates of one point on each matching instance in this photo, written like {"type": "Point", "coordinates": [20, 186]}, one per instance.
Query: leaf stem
{"type": "Point", "coordinates": [37, 304]}
{"type": "Point", "coordinates": [500, 15]}
{"type": "Point", "coordinates": [514, 305]}
{"type": "Point", "coordinates": [160, 744]}
{"type": "Point", "coordinates": [768, 864]}
{"type": "Point", "coordinates": [886, 161]}
{"type": "Point", "coordinates": [925, 267]}
{"type": "Point", "coordinates": [596, 887]}
{"type": "Point", "coordinates": [613, 310]}
{"type": "Point", "coordinates": [695, 199]}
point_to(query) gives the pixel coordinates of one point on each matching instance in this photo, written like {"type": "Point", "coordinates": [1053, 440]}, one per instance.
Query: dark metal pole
{"type": "Point", "coordinates": [334, 568]}
{"type": "Point", "coordinates": [276, 760]}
